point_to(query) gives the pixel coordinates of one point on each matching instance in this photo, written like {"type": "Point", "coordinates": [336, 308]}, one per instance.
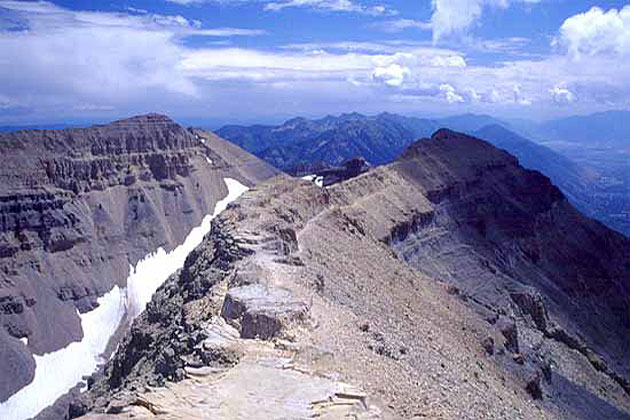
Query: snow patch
{"type": "Point", "coordinates": [154, 269]}
{"type": "Point", "coordinates": [61, 370]}
{"type": "Point", "coordinates": [317, 180]}
{"type": "Point", "coordinates": [209, 160]}
{"type": "Point", "coordinates": [24, 340]}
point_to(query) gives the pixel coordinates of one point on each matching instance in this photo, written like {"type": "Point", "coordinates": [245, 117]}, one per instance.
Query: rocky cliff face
{"type": "Point", "coordinates": [79, 206]}
{"type": "Point", "coordinates": [527, 240]}
{"type": "Point", "coordinates": [451, 284]}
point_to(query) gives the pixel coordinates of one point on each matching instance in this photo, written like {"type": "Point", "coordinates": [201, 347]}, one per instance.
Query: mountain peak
{"type": "Point", "coordinates": [496, 128]}
{"type": "Point", "coordinates": [444, 134]}
{"type": "Point", "coordinates": [460, 150]}
{"type": "Point", "coordinates": [351, 115]}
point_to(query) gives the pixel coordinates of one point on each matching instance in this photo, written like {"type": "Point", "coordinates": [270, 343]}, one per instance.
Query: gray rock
{"type": "Point", "coordinates": [531, 303]}
{"type": "Point", "coordinates": [508, 328]}
{"type": "Point", "coordinates": [262, 312]}
{"type": "Point", "coordinates": [533, 385]}
{"type": "Point", "coordinates": [488, 345]}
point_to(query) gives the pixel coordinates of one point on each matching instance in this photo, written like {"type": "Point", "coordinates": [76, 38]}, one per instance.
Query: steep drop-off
{"type": "Point", "coordinates": [450, 284]}
{"type": "Point", "coordinates": [79, 206]}
{"type": "Point", "coordinates": [529, 246]}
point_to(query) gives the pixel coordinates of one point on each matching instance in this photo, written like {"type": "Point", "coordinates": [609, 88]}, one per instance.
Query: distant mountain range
{"type": "Point", "coordinates": [301, 146]}
{"type": "Point", "coordinates": [12, 128]}
{"type": "Point", "coordinates": [610, 127]}
{"type": "Point", "coordinates": [300, 142]}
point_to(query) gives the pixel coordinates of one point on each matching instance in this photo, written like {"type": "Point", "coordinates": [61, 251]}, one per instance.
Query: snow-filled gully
{"type": "Point", "coordinates": [59, 371]}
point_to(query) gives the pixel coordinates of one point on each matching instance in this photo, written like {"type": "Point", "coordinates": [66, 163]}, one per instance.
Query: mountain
{"type": "Point", "coordinates": [575, 181]}
{"type": "Point", "coordinates": [302, 147]}
{"type": "Point", "coordinates": [610, 127]}
{"type": "Point", "coordinates": [601, 144]}
{"type": "Point", "coordinates": [469, 123]}
{"type": "Point", "coordinates": [528, 231]}
{"type": "Point", "coordinates": [13, 128]}
{"type": "Point", "coordinates": [83, 212]}
{"type": "Point", "coordinates": [299, 142]}
{"type": "Point", "coordinates": [452, 283]}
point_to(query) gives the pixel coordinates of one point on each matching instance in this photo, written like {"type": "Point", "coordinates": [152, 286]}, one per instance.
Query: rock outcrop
{"type": "Point", "coordinates": [262, 312]}
{"type": "Point", "coordinates": [348, 169]}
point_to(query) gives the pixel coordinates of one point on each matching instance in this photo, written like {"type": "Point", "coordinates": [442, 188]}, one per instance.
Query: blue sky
{"type": "Point", "coordinates": [264, 60]}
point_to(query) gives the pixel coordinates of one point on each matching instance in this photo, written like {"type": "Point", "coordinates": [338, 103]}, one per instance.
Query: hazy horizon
{"type": "Point", "coordinates": [214, 123]}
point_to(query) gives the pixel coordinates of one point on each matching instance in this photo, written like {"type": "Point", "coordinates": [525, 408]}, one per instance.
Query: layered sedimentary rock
{"type": "Point", "coordinates": [79, 206]}
{"type": "Point", "coordinates": [451, 284]}
{"type": "Point", "coordinates": [508, 238]}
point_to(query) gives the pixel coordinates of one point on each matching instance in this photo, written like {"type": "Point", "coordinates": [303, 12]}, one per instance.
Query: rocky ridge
{"type": "Point", "coordinates": [592, 180]}
{"type": "Point", "coordinates": [450, 273]}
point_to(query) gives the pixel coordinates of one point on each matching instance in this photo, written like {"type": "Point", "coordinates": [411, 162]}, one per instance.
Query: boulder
{"type": "Point", "coordinates": [508, 328]}
{"type": "Point", "coordinates": [488, 345]}
{"type": "Point", "coordinates": [262, 312]}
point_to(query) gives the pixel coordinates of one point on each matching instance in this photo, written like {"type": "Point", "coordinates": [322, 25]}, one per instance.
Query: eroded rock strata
{"type": "Point", "coordinates": [451, 284]}
{"type": "Point", "coordinates": [79, 206]}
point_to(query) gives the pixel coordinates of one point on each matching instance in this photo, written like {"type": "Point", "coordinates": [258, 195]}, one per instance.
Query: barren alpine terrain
{"type": "Point", "coordinates": [91, 219]}
{"type": "Point", "coordinates": [435, 287]}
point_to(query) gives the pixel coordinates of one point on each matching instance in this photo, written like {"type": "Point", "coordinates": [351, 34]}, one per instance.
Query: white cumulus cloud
{"type": "Point", "coordinates": [562, 95]}
{"type": "Point", "coordinates": [450, 95]}
{"type": "Point", "coordinates": [392, 75]}
{"type": "Point", "coordinates": [597, 32]}
{"type": "Point", "coordinates": [448, 61]}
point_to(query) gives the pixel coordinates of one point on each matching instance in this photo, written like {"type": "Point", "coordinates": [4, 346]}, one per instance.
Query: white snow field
{"type": "Point", "coordinates": [154, 269]}
{"type": "Point", "coordinates": [61, 370]}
